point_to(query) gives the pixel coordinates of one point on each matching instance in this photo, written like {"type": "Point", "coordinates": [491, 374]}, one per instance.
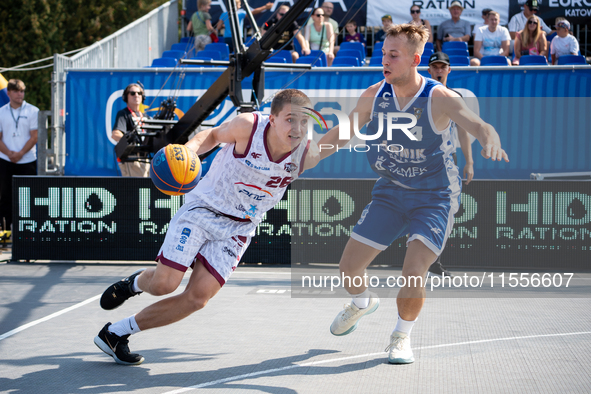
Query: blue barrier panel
{"type": "Point", "coordinates": [561, 145]}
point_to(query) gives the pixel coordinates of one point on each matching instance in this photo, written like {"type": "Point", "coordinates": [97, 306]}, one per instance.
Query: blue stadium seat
{"type": "Point", "coordinates": [187, 39]}
{"type": "Point", "coordinates": [427, 52]}
{"type": "Point", "coordinates": [571, 60]}
{"type": "Point", "coordinates": [454, 45]}
{"type": "Point", "coordinates": [181, 46]}
{"type": "Point", "coordinates": [349, 53]}
{"type": "Point", "coordinates": [532, 60]}
{"type": "Point", "coordinates": [377, 48]}
{"type": "Point", "coordinates": [311, 59]}
{"type": "Point", "coordinates": [164, 62]}
{"type": "Point", "coordinates": [284, 54]}
{"type": "Point", "coordinates": [276, 59]}
{"type": "Point", "coordinates": [424, 61]}
{"type": "Point", "coordinates": [317, 53]}
{"type": "Point", "coordinates": [456, 52]}
{"type": "Point", "coordinates": [346, 61]}
{"type": "Point", "coordinates": [221, 47]}
{"type": "Point", "coordinates": [429, 45]}
{"type": "Point", "coordinates": [215, 55]}
{"type": "Point", "coordinates": [174, 54]}
{"type": "Point", "coordinates": [347, 46]}
{"type": "Point", "coordinates": [457, 61]}
{"type": "Point", "coordinates": [494, 61]}
{"type": "Point", "coordinates": [375, 61]}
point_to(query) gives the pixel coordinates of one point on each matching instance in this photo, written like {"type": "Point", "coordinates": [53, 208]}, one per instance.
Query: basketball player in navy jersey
{"type": "Point", "coordinates": [211, 231]}
{"type": "Point", "coordinates": [419, 189]}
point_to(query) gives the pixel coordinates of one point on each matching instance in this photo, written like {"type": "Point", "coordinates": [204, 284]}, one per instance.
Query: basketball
{"type": "Point", "coordinates": [175, 170]}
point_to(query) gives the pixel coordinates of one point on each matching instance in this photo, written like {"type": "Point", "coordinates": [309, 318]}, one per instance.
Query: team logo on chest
{"type": "Point", "coordinates": [290, 167]}
{"type": "Point", "coordinates": [418, 112]}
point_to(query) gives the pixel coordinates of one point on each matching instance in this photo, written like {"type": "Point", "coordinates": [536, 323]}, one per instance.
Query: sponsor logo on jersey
{"type": "Point", "coordinates": [251, 212]}
{"type": "Point", "coordinates": [255, 155]}
{"type": "Point", "coordinates": [260, 168]}
{"type": "Point", "coordinates": [409, 156]}
{"type": "Point", "coordinates": [290, 167]}
{"type": "Point", "coordinates": [229, 252]}
{"type": "Point", "coordinates": [364, 214]}
{"type": "Point", "coordinates": [409, 172]}
{"type": "Point", "coordinates": [384, 104]}
{"type": "Point", "coordinates": [186, 231]}
{"type": "Point", "coordinates": [254, 187]}
{"type": "Point", "coordinates": [257, 197]}
{"type": "Point", "coordinates": [436, 230]}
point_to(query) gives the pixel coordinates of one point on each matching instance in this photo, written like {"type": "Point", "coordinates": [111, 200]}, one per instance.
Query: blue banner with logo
{"type": "Point", "coordinates": [541, 114]}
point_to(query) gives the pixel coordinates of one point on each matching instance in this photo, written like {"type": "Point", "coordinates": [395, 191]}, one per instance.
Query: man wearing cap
{"type": "Point", "coordinates": [386, 22]}
{"type": "Point", "coordinates": [454, 29]}
{"type": "Point", "coordinates": [439, 69]}
{"type": "Point", "coordinates": [563, 43]}
{"type": "Point", "coordinates": [484, 22]}
{"type": "Point", "coordinates": [518, 21]}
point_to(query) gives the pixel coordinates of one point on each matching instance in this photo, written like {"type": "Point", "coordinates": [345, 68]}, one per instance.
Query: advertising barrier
{"type": "Point", "coordinates": [500, 224]}
{"type": "Point", "coordinates": [540, 113]}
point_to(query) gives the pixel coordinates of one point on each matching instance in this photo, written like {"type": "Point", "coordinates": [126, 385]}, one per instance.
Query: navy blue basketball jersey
{"type": "Point", "coordinates": [422, 164]}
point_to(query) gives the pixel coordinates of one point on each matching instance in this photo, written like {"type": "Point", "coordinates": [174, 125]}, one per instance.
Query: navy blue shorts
{"type": "Point", "coordinates": [426, 215]}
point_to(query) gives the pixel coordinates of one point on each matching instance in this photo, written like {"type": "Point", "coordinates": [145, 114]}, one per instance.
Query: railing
{"type": "Point", "coordinates": [134, 46]}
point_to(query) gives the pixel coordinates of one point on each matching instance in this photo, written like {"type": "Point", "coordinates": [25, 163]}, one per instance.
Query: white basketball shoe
{"type": "Point", "coordinates": [399, 351]}
{"type": "Point", "coordinates": [347, 319]}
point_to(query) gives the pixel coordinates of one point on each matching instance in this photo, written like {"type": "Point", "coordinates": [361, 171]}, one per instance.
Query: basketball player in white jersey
{"type": "Point", "coordinates": [211, 231]}
{"type": "Point", "coordinates": [419, 188]}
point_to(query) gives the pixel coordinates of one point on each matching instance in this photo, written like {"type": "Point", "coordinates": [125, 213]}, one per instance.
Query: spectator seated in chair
{"type": "Point", "coordinates": [491, 40]}
{"type": "Point", "coordinates": [352, 34]}
{"type": "Point", "coordinates": [564, 43]}
{"type": "Point", "coordinates": [531, 40]}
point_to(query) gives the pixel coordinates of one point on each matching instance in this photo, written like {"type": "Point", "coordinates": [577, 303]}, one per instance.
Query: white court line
{"type": "Point", "coordinates": [268, 371]}
{"type": "Point", "coordinates": [43, 319]}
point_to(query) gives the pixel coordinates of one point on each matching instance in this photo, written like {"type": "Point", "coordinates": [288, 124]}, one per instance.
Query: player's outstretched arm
{"type": "Point", "coordinates": [330, 142]}
{"type": "Point", "coordinates": [235, 131]}
{"type": "Point", "coordinates": [466, 146]}
{"type": "Point", "coordinates": [457, 111]}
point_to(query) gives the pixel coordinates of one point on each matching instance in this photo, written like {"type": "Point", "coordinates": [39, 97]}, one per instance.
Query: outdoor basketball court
{"type": "Point", "coordinates": [254, 337]}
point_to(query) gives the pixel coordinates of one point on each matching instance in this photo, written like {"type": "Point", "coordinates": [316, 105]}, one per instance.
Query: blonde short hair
{"type": "Point", "coordinates": [15, 85]}
{"type": "Point", "coordinates": [417, 36]}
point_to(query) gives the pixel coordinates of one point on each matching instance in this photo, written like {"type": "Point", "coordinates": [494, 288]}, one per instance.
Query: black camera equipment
{"type": "Point", "coordinates": [243, 63]}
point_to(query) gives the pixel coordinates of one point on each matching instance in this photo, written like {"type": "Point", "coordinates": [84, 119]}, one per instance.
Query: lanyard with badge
{"type": "Point", "coordinates": [16, 120]}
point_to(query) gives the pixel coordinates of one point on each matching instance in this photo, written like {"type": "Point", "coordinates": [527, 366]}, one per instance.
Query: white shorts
{"type": "Point", "coordinates": [197, 232]}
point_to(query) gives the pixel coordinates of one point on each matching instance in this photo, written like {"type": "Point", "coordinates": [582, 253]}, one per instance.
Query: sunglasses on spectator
{"type": "Point", "coordinates": [532, 22]}
{"type": "Point", "coordinates": [318, 15]}
{"type": "Point", "coordinates": [415, 11]}
{"type": "Point", "coordinates": [281, 14]}
{"type": "Point", "coordinates": [135, 93]}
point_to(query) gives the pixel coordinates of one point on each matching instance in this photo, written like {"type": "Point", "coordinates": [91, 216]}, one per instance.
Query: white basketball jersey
{"type": "Point", "coordinates": [248, 185]}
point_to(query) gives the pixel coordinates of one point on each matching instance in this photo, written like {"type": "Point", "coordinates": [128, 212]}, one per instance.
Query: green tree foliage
{"type": "Point", "coordinates": [35, 29]}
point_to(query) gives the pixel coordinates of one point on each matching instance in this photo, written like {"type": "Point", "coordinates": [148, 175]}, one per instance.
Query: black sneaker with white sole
{"type": "Point", "coordinates": [436, 269]}
{"type": "Point", "coordinates": [116, 347]}
{"type": "Point", "coordinates": [119, 292]}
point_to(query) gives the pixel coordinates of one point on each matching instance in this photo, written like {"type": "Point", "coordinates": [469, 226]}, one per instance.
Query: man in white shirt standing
{"type": "Point", "coordinates": [18, 139]}
{"type": "Point", "coordinates": [564, 43]}
{"type": "Point", "coordinates": [518, 21]}
{"type": "Point", "coordinates": [491, 40]}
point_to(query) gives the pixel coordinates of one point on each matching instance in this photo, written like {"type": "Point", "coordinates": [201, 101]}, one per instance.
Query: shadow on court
{"type": "Point", "coordinates": [71, 373]}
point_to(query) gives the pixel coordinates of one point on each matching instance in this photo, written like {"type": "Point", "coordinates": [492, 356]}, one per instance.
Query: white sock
{"type": "Point", "coordinates": [404, 325]}
{"type": "Point", "coordinates": [361, 300]}
{"type": "Point", "coordinates": [135, 286]}
{"type": "Point", "coordinates": [125, 326]}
